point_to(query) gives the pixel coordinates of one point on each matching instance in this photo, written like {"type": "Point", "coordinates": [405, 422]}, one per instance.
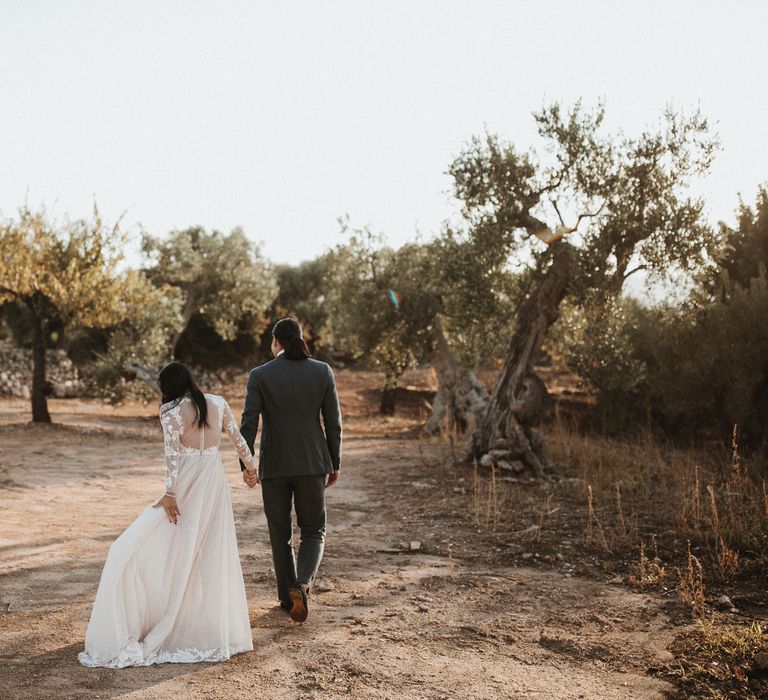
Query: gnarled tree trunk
{"type": "Point", "coordinates": [461, 398]}
{"type": "Point", "coordinates": [507, 437]}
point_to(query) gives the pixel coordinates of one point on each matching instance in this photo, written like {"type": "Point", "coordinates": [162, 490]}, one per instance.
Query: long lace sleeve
{"type": "Point", "coordinates": [233, 430]}
{"type": "Point", "coordinates": [170, 419]}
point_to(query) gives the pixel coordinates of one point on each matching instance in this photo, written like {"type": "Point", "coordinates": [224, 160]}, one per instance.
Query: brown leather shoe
{"type": "Point", "coordinates": [299, 609]}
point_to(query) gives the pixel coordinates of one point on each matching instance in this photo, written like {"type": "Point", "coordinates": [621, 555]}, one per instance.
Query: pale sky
{"type": "Point", "coordinates": [282, 116]}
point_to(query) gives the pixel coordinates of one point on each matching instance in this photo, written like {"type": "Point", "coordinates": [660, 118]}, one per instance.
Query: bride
{"type": "Point", "coordinates": [172, 588]}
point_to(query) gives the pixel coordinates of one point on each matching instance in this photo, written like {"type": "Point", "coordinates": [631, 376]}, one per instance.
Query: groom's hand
{"type": "Point", "coordinates": [251, 478]}
{"type": "Point", "coordinates": [333, 477]}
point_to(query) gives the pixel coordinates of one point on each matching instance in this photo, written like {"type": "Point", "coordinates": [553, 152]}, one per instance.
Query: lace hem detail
{"type": "Point", "coordinates": [132, 654]}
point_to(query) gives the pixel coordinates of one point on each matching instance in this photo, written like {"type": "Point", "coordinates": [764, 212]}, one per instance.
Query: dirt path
{"type": "Point", "coordinates": [440, 622]}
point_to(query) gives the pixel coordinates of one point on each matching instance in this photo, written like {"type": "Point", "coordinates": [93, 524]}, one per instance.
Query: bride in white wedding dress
{"type": "Point", "coordinates": [172, 588]}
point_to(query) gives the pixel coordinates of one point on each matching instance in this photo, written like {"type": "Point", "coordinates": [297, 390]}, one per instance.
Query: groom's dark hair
{"type": "Point", "coordinates": [288, 333]}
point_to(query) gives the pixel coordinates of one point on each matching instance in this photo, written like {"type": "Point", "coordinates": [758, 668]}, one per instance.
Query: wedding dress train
{"type": "Point", "coordinates": [175, 593]}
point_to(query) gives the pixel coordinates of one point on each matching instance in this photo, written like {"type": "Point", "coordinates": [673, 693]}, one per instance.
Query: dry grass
{"type": "Point", "coordinates": [640, 492]}
{"type": "Point", "coordinates": [638, 496]}
{"type": "Point", "coordinates": [688, 521]}
{"type": "Point", "coordinates": [690, 585]}
{"type": "Point", "coordinates": [648, 572]}
{"type": "Point", "coordinates": [716, 660]}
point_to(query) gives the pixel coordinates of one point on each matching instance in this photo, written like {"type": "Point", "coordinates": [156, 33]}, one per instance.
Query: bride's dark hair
{"type": "Point", "coordinates": [176, 382]}
{"type": "Point", "coordinates": [289, 333]}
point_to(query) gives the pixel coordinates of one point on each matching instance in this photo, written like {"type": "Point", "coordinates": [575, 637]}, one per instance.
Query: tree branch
{"type": "Point", "coordinates": [634, 270]}
{"type": "Point", "coordinates": [552, 185]}
{"type": "Point", "coordinates": [544, 233]}
{"type": "Point", "coordinates": [557, 209]}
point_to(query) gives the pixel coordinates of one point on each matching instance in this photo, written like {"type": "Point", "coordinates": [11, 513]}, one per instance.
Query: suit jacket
{"type": "Point", "coordinates": [290, 396]}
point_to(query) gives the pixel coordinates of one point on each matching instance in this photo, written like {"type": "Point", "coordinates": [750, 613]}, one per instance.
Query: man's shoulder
{"type": "Point", "coordinates": [266, 367]}
{"type": "Point", "coordinates": [318, 364]}
{"type": "Point", "coordinates": [319, 368]}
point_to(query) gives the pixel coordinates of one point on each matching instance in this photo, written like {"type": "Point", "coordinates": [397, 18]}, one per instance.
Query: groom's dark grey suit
{"type": "Point", "coordinates": [295, 456]}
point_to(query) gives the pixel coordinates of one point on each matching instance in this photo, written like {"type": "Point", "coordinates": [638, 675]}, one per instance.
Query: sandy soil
{"type": "Point", "coordinates": [445, 621]}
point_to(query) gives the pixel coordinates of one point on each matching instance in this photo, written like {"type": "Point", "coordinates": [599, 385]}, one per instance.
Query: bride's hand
{"type": "Point", "coordinates": [250, 477]}
{"type": "Point", "coordinates": [169, 506]}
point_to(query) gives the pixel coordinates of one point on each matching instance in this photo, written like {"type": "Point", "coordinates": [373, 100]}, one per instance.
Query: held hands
{"type": "Point", "coordinates": [250, 477]}
{"type": "Point", "coordinates": [168, 502]}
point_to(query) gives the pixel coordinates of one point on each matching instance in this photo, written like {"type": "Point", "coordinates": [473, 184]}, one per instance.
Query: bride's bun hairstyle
{"type": "Point", "coordinates": [176, 382]}
{"type": "Point", "coordinates": [288, 333]}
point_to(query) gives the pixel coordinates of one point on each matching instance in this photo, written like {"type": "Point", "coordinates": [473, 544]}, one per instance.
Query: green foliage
{"type": "Point", "coordinates": [361, 315]}
{"type": "Point", "coordinates": [302, 295]}
{"type": "Point", "coordinates": [691, 370]}
{"type": "Point", "coordinates": [142, 339]}
{"type": "Point", "coordinates": [699, 367]}
{"type": "Point", "coordinates": [598, 343]}
{"type": "Point", "coordinates": [731, 337]}
{"type": "Point", "coordinates": [477, 293]}
{"type": "Point", "coordinates": [66, 274]}
{"type": "Point", "coordinates": [626, 197]}
{"type": "Point", "coordinates": [449, 276]}
{"type": "Point", "coordinates": [743, 253]}
{"type": "Point", "coordinates": [221, 277]}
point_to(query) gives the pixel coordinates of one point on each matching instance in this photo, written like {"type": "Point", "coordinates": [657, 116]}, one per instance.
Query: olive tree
{"type": "Point", "coordinates": [221, 277]}
{"type": "Point", "coordinates": [592, 210]}
{"type": "Point", "coordinates": [64, 275]}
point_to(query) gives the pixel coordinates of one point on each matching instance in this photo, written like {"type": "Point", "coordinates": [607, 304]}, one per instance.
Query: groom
{"type": "Point", "coordinates": [298, 460]}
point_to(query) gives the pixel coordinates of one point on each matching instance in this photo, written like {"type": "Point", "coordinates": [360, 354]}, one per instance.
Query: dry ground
{"type": "Point", "coordinates": [451, 620]}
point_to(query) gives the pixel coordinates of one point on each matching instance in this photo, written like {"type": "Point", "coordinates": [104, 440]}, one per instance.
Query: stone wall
{"type": "Point", "coordinates": [16, 373]}
{"type": "Point", "coordinates": [66, 381]}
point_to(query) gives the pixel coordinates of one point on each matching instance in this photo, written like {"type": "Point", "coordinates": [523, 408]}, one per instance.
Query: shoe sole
{"type": "Point", "coordinates": [298, 611]}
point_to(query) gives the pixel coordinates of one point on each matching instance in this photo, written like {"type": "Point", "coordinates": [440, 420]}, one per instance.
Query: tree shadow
{"type": "Point", "coordinates": [88, 425]}
{"type": "Point", "coordinates": [409, 402]}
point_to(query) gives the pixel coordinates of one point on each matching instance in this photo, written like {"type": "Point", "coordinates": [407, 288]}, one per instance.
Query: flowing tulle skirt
{"type": "Point", "coordinates": [174, 593]}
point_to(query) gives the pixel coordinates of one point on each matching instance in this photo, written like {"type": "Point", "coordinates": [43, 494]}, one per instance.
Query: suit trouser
{"type": "Point", "coordinates": [307, 493]}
